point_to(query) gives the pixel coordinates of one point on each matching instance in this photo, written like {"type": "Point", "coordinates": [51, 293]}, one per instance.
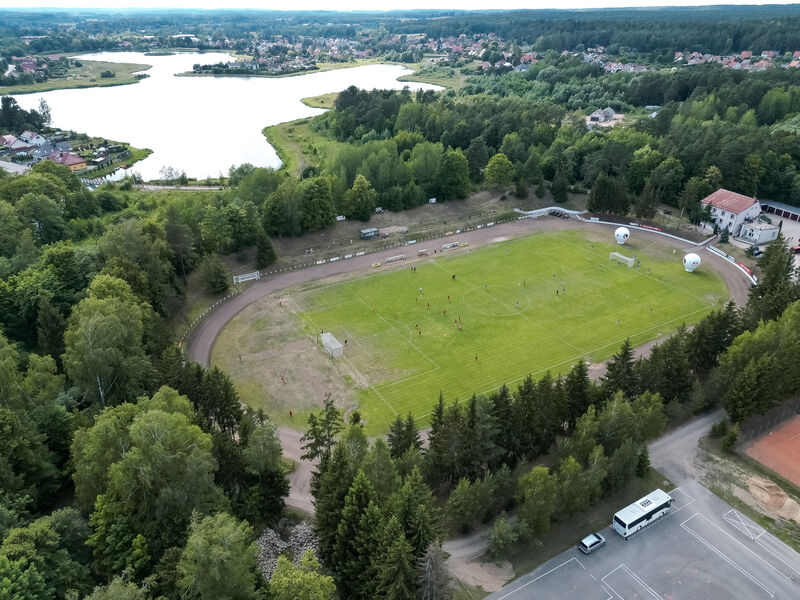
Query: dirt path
{"type": "Point", "coordinates": [199, 344]}
{"type": "Point", "coordinates": [299, 479]}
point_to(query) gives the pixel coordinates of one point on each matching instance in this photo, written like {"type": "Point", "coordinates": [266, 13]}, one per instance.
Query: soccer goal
{"type": "Point", "coordinates": [622, 258]}
{"type": "Point", "coordinates": [331, 344]}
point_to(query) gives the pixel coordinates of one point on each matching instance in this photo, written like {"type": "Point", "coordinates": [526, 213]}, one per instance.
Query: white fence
{"type": "Point", "coordinates": [246, 277]}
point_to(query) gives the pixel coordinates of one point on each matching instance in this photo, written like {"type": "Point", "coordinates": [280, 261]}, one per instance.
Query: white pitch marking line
{"type": "Point", "coordinates": [355, 339]}
{"type": "Point", "coordinates": [540, 576]}
{"type": "Point", "coordinates": [723, 556]}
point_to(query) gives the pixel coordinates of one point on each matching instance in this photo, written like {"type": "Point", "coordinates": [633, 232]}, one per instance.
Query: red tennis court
{"type": "Point", "coordinates": [780, 450]}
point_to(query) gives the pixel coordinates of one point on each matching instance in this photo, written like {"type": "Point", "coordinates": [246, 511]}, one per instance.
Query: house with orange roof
{"type": "Point", "coordinates": [68, 159]}
{"type": "Point", "coordinates": [731, 210]}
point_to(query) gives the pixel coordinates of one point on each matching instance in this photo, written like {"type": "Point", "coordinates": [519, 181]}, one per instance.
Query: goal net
{"type": "Point", "coordinates": [331, 344]}
{"type": "Point", "coordinates": [621, 258]}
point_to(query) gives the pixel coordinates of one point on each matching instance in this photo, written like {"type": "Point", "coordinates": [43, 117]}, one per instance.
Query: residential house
{"type": "Point", "coordinates": [731, 210]}
{"type": "Point", "coordinates": [68, 159]}
{"type": "Point", "coordinates": [33, 138]}
{"type": "Point", "coordinates": [746, 54]}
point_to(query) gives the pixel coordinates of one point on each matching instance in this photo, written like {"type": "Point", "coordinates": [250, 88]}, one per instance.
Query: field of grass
{"type": "Point", "coordinates": [321, 101]}
{"type": "Point", "coordinates": [445, 76]}
{"type": "Point", "coordinates": [87, 75]}
{"type": "Point", "coordinates": [515, 308]}
{"type": "Point", "coordinates": [297, 145]}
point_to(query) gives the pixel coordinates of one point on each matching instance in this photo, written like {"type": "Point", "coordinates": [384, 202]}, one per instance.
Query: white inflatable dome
{"type": "Point", "coordinates": [691, 261]}
{"type": "Point", "coordinates": [622, 234]}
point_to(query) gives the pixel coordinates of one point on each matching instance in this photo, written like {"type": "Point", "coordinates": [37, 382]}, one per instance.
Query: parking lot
{"type": "Point", "coordinates": [703, 549]}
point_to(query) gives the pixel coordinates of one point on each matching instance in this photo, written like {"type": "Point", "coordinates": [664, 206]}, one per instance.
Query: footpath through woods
{"type": "Point", "coordinates": [199, 344]}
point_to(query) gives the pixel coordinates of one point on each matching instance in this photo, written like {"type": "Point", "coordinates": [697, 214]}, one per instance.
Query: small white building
{"type": "Point", "coordinates": [731, 210]}
{"type": "Point", "coordinates": [758, 232]}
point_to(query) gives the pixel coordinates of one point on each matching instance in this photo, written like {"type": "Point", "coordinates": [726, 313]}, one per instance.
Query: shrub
{"type": "Point", "coordinates": [213, 274]}
{"type": "Point", "coordinates": [719, 429]}
{"type": "Point", "coordinates": [502, 536]}
{"type": "Point", "coordinates": [730, 440]}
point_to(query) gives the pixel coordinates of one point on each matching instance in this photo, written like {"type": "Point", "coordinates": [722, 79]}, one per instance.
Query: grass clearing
{"type": "Point", "coordinates": [87, 75]}
{"type": "Point", "coordinates": [297, 145]}
{"type": "Point", "coordinates": [515, 308]}
{"type": "Point", "coordinates": [425, 72]}
{"type": "Point", "coordinates": [321, 101]}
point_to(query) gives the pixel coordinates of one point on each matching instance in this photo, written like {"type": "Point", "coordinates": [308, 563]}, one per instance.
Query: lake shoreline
{"type": "Point", "coordinates": [163, 113]}
{"type": "Point", "coordinates": [52, 85]}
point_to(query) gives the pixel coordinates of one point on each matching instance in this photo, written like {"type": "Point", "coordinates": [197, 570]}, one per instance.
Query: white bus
{"type": "Point", "coordinates": [641, 513]}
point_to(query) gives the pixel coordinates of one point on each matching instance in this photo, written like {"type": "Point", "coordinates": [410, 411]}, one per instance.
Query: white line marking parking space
{"type": "Point", "coordinates": [527, 583]}
{"type": "Point", "coordinates": [635, 578]}
{"type": "Point", "coordinates": [722, 555]}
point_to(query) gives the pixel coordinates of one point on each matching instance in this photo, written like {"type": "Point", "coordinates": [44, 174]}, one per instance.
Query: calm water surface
{"type": "Point", "coordinates": [200, 125]}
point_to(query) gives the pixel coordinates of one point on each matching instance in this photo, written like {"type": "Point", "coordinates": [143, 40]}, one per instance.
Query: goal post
{"type": "Point", "coordinates": [331, 344]}
{"type": "Point", "coordinates": [621, 258]}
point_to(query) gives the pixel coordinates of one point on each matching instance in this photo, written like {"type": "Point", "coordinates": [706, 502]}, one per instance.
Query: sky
{"type": "Point", "coordinates": [363, 4]}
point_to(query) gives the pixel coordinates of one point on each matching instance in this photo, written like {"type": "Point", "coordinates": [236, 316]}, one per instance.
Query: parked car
{"type": "Point", "coordinates": [591, 543]}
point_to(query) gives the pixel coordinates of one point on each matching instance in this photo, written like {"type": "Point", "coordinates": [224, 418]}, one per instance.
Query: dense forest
{"type": "Point", "coordinates": [657, 32]}
{"type": "Point", "coordinates": [128, 471]}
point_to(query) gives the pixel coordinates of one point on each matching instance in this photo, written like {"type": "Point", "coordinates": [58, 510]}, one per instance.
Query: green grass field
{"type": "Point", "coordinates": [524, 307]}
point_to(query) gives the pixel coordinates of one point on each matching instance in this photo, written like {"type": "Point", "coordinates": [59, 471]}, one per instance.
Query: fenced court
{"type": "Point", "coordinates": [779, 449]}
{"type": "Point", "coordinates": [469, 322]}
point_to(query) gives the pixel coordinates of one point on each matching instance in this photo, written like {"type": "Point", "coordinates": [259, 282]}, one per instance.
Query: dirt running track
{"type": "Point", "coordinates": [199, 343]}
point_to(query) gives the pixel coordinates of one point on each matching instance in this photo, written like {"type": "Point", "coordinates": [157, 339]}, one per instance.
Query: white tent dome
{"type": "Point", "coordinates": [622, 234]}
{"type": "Point", "coordinates": [691, 261]}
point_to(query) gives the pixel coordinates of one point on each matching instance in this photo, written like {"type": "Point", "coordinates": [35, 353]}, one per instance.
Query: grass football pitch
{"type": "Point", "coordinates": [514, 308]}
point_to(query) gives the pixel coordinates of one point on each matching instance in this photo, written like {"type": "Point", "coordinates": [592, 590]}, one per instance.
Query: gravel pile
{"type": "Point", "coordinates": [270, 546]}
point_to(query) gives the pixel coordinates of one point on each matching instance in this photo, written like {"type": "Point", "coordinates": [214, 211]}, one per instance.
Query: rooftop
{"type": "Point", "coordinates": [730, 201]}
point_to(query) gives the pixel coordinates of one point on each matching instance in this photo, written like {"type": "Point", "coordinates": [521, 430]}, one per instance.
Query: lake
{"type": "Point", "coordinates": [200, 125]}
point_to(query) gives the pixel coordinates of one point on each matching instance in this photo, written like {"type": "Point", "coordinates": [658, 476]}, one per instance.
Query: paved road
{"type": "Point", "coordinates": [704, 550]}
{"type": "Point", "coordinates": [673, 454]}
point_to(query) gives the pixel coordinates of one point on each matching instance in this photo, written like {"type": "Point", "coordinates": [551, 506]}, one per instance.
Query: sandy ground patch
{"type": "Point", "coordinates": [278, 365]}
{"type": "Point", "coordinates": [775, 500]}
{"type": "Point", "coordinates": [488, 576]}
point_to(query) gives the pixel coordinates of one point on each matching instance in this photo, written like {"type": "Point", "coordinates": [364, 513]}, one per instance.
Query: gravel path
{"type": "Point", "coordinates": [201, 340]}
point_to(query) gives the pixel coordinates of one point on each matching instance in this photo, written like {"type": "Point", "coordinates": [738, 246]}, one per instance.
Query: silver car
{"type": "Point", "coordinates": [591, 543]}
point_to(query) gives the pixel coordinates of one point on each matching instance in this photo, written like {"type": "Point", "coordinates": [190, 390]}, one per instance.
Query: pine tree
{"type": "Point", "coordinates": [619, 372]}
{"type": "Point", "coordinates": [334, 484]}
{"type": "Point", "coordinates": [579, 390]}
{"type": "Point", "coordinates": [403, 434]}
{"type": "Point", "coordinates": [416, 512]}
{"type": "Point", "coordinates": [504, 433]}
{"type": "Point", "coordinates": [348, 563]}
{"type": "Point", "coordinates": [381, 472]}
{"type": "Point", "coordinates": [213, 274]}
{"type": "Point", "coordinates": [559, 187]}
{"type": "Point", "coordinates": [643, 463]}
{"type": "Point", "coordinates": [218, 404]}
{"type": "Point", "coordinates": [540, 189]}
{"type": "Point", "coordinates": [397, 578]}
{"type": "Point", "coordinates": [433, 580]}
{"type": "Point", "coordinates": [265, 252]}
{"type": "Point", "coordinates": [368, 545]}
{"type": "Point", "coordinates": [435, 455]}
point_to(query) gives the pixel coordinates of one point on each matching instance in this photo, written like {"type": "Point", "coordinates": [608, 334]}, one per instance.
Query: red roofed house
{"type": "Point", "coordinates": [746, 54]}
{"type": "Point", "coordinates": [729, 209]}
{"type": "Point", "coordinates": [73, 161]}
